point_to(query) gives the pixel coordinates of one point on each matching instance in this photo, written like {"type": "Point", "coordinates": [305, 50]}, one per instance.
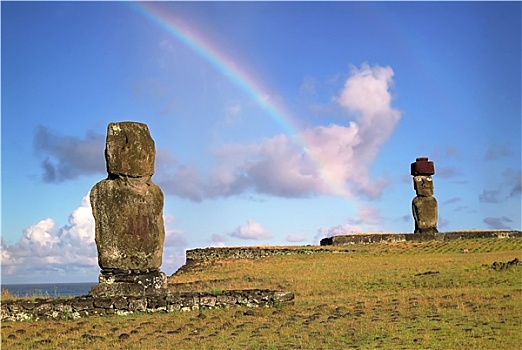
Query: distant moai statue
{"type": "Point", "coordinates": [128, 214]}
{"type": "Point", "coordinates": [424, 205]}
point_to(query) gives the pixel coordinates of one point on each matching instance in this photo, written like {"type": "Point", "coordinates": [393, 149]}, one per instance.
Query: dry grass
{"type": "Point", "coordinates": [6, 294]}
{"type": "Point", "coordinates": [390, 296]}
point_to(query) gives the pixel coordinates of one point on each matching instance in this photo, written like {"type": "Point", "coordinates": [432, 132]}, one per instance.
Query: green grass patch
{"type": "Point", "coordinates": [428, 295]}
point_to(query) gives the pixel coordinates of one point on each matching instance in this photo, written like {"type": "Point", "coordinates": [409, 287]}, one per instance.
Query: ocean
{"type": "Point", "coordinates": [53, 290]}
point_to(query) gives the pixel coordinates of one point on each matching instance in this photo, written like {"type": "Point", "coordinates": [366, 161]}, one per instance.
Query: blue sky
{"type": "Point", "coordinates": [275, 123]}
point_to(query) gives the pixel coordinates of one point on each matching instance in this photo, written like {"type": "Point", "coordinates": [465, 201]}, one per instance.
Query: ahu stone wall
{"type": "Point", "coordinates": [85, 306]}
{"type": "Point", "coordinates": [348, 239]}
{"type": "Point", "coordinates": [246, 252]}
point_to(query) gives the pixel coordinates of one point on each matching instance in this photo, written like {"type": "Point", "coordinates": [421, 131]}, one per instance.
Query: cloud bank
{"type": "Point", "coordinates": [67, 157]}
{"type": "Point", "coordinates": [46, 253]}
{"type": "Point", "coordinates": [319, 160]}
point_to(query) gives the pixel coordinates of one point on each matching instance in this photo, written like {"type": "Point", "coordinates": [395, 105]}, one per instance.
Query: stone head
{"type": "Point", "coordinates": [423, 185]}
{"type": "Point", "coordinates": [130, 149]}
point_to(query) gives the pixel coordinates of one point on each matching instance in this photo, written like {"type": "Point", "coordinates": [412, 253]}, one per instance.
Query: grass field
{"type": "Point", "coordinates": [428, 295]}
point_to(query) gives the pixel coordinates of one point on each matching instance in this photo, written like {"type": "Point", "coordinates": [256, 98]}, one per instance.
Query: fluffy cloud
{"type": "Point", "coordinates": [251, 230]}
{"type": "Point", "coordinates": [46, 252]}
{"type": "Point", "coordinates": [335, 160]}
{"type": "Point", "coordinates": [67, 157]}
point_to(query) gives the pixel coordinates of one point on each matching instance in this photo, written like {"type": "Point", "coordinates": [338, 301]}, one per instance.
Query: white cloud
{"type": "Point", "coordinates": [337, 158]}
{"type": "Point", "coordinates": [46, 252]}
{"type": "Point", "coordinates": [42, 234]}
{"type": "Point", "coordinates": [251, 230]}
{"type": "Point", "coordinates": [366, 92]}
{"type": "Point", "coordinates": [295, 238]}
{"type": "Point", "coordinates": [69, 253]}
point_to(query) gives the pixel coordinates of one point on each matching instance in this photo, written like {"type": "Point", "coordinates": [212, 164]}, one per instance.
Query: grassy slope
{"type": "Point", "coordinates": [407, 295]}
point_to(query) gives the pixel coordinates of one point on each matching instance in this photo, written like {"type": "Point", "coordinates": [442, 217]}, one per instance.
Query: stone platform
{"type": "Point", "coordinates": [365, 238]}
{"type": "Point", "coordinates": [85, 306]}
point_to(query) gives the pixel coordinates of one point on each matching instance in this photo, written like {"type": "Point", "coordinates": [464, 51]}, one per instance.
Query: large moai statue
{"type": "Point", "coordinates": [128, 214]}
{"type": "Point", "coordinates": [424, 205]}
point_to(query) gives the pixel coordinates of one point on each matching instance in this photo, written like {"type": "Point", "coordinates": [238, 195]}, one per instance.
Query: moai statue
{"type": "Point", "coordinates": [424, 205]}
{"type": "Point", "coordinates": [128, 214]}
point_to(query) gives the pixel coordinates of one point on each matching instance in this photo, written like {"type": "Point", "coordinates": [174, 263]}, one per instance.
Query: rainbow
{"type": "Point", "coordinates": [241, 78]}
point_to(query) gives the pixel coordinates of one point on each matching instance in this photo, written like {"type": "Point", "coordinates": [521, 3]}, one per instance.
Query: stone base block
{"type": "Point", "coordinates": [129, 283]}
{"type": "Point", "coordinates": [426, 230]}
{"type": "Point", "coordinates": [426, 235]}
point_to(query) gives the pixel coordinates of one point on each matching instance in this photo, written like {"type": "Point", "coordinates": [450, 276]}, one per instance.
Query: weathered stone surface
{"type": "Point", "coordinates": [129, 149]}
{"type": "Point", "coordinates": [129, 223]}
{"type": "Point", "coordinates": [128, 213]}
{"type": "Point", "coordinates": [423, 185]}
{"type": "Point", "coordinates": [283, 297]}
{"type": "Point", "coordinates": [130, 283]}
{"type": "Point", "coordinates": [424, 205]}
{"type": "Point", "coordinates": [154, 278]}
{"type": "Point", "coordinates": [361, 238]}
{"type": "Point", "coordinates": [498, 266]}
{"type": "Point", "coordinates": [82, 303]}
{"type": "Point", "coordinates": [350, 239]}
{"type": "Point", "coordinates": [18, 310]}
{"type": "Point", "coordinates": [103, 303]}
{"type": "Point", "coordinates": [425, 214]}
{"type": "Point", "coordinates": [137, 304]}
{"type": "Point", "coordinates": [152, 283]}
{"type": "Point", "coordinates": [156, 302]}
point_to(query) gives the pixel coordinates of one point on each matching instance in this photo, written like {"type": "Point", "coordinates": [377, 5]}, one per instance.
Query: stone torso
{"type": "Point", "coordinates": [129, 224]}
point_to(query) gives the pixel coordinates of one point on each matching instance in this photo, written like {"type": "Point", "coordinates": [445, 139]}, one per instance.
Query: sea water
{"type": "Point", "coordinates": [49, 290]}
